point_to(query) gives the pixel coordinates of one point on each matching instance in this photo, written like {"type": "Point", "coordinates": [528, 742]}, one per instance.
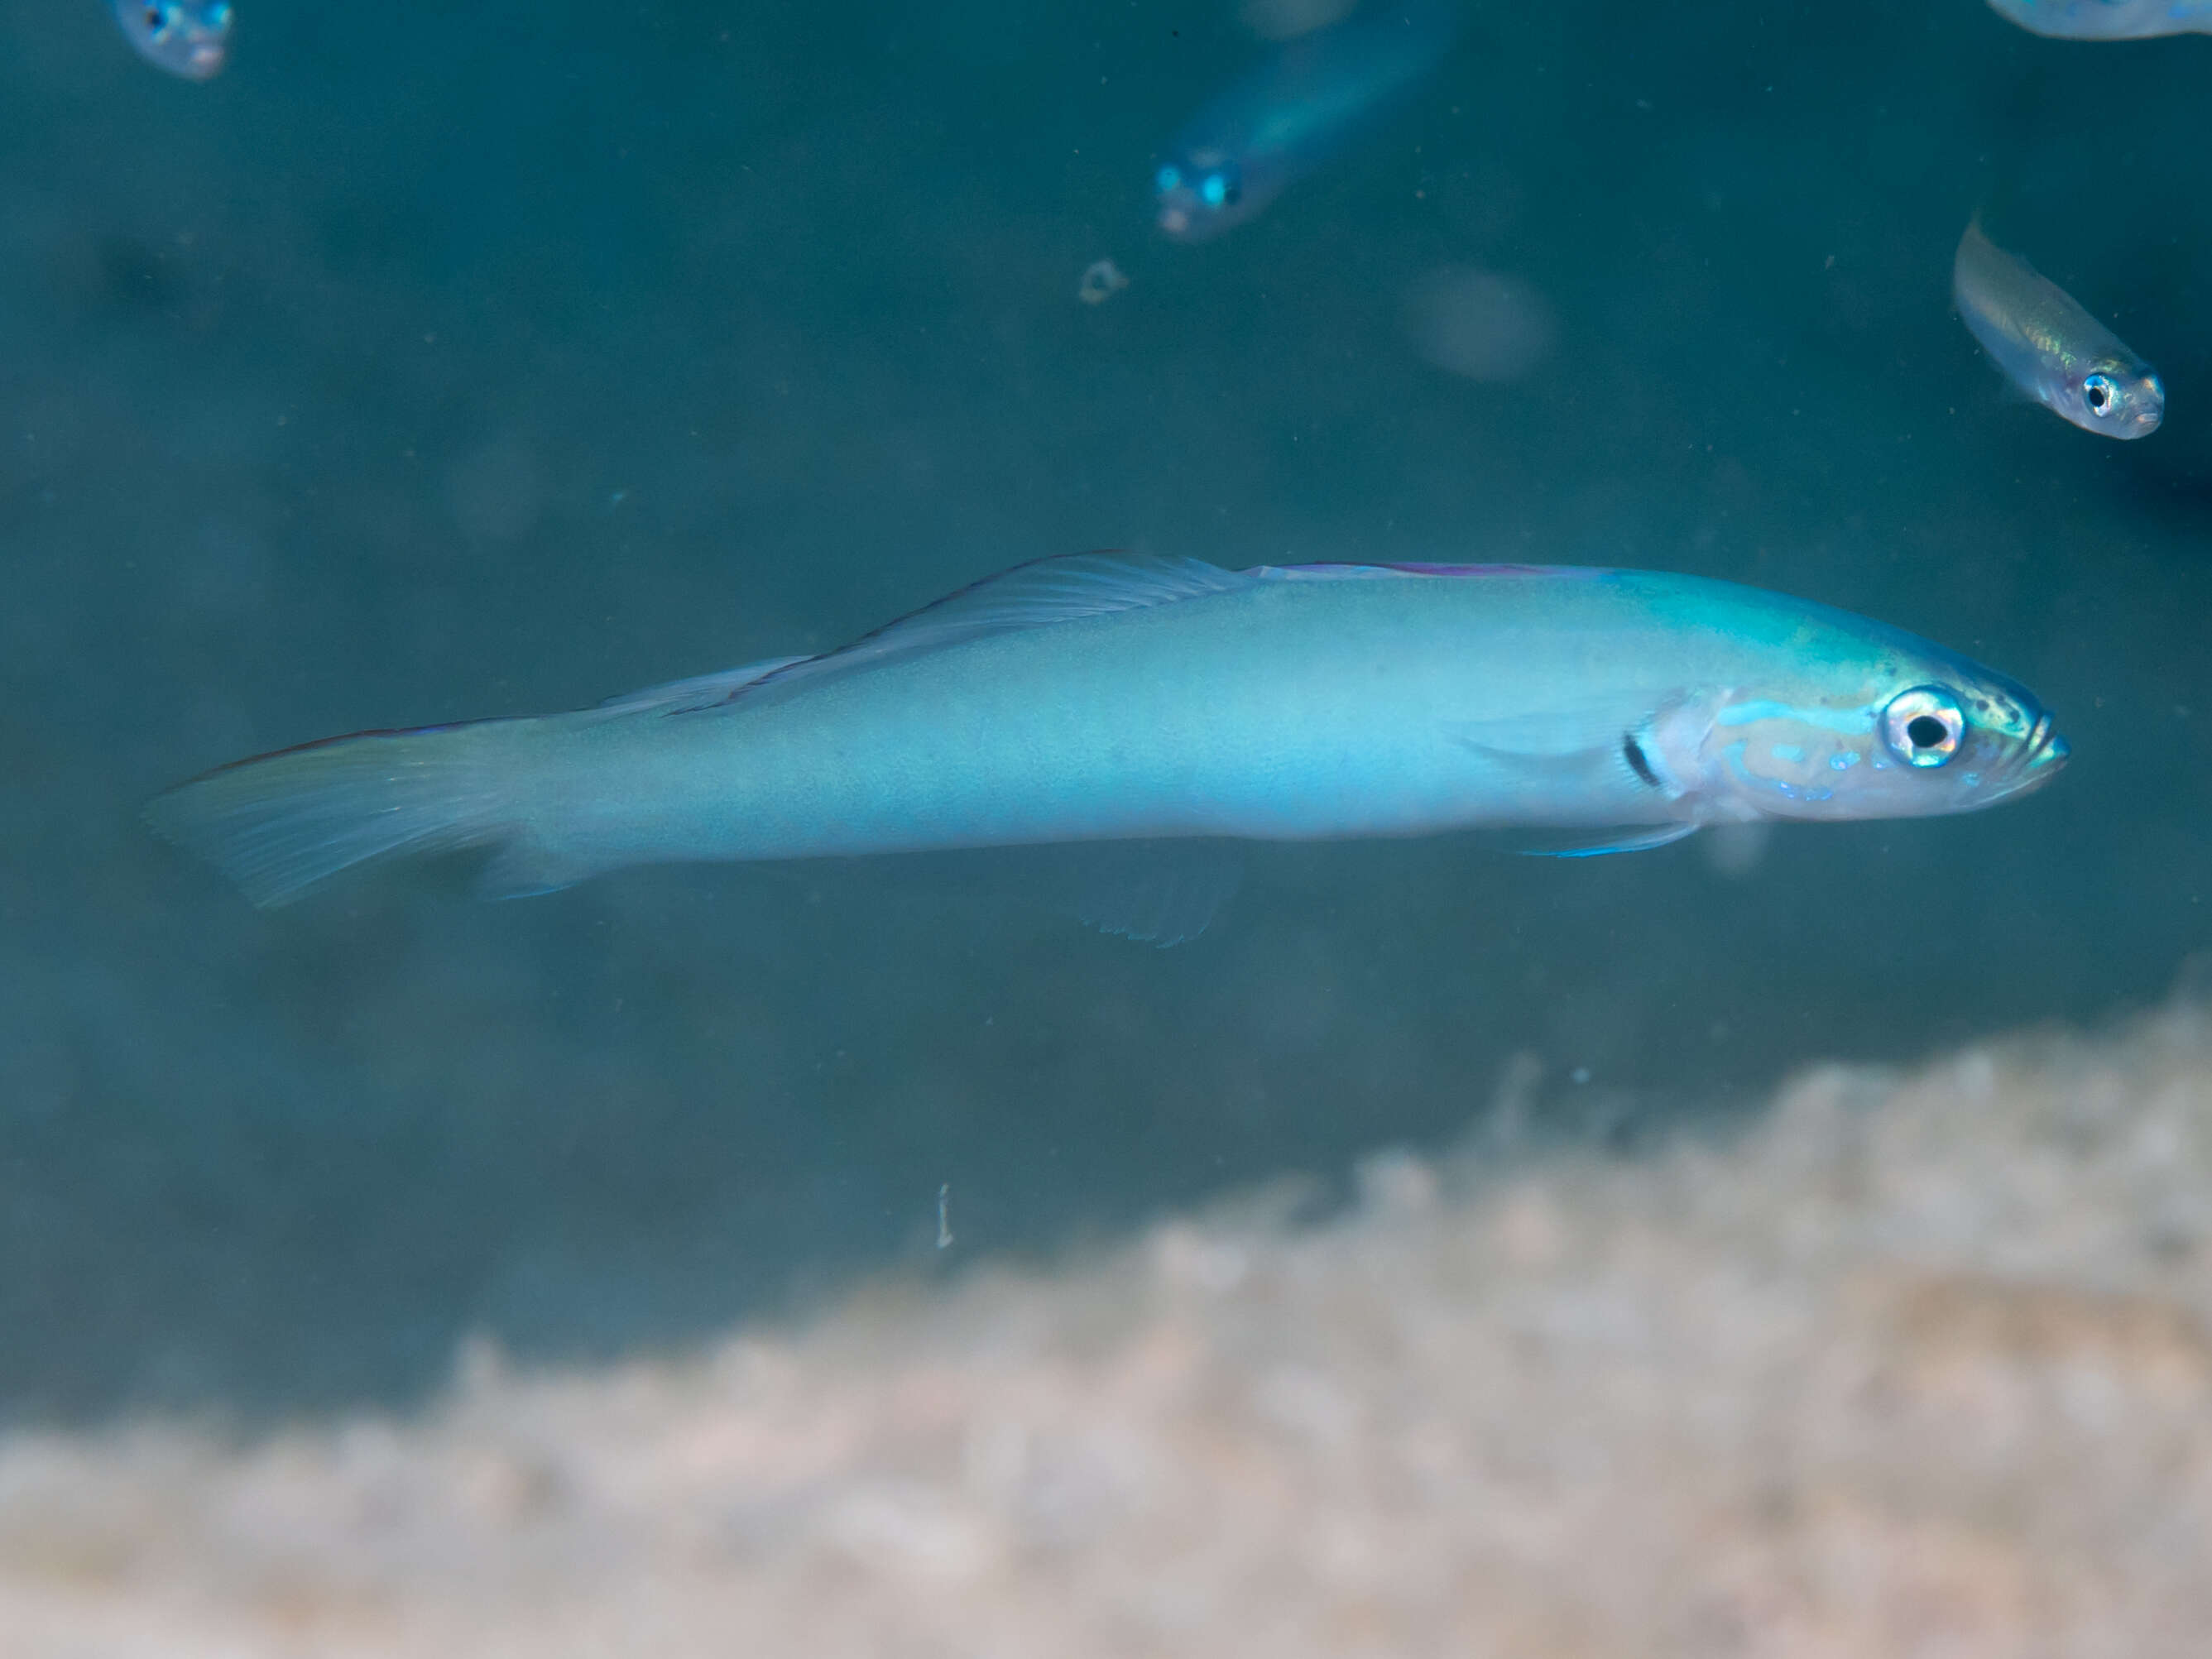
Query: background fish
{"type": "Point", "coordinates": [1101, 698]}
{"type": "Point", "coordinates": [1292, 112]}
{"type": "Point", "coordinates": [190, 38]}
{"type": "Point", "coordinates": [2049, 346]}
{"type": "Point", "coordinates": [2108, 20]}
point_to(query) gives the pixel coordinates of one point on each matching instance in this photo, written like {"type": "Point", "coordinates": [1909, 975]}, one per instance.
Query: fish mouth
{"type": "Point", "coordinates": [2044, 754]}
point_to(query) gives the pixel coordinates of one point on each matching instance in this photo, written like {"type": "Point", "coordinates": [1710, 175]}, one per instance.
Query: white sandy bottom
{"type": "Point", "coordinates": [1912, 1367]}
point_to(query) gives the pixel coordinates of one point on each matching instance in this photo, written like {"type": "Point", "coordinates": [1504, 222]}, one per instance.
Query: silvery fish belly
{"type": "Point", "coordinates": [1294, 110]}
{"type": "Point", "coordinates": [2049, 347]}
{"type": "Point", "coordinates": [188, 37]}
{"type": "Point", "coordinates": [1100, 698]}
{"type": "Point", "coordinates": [2108, 20]}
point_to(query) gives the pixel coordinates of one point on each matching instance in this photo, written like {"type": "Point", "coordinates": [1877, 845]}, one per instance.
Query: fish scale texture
{"type": "Point", "coordinates": [1907, 1366]}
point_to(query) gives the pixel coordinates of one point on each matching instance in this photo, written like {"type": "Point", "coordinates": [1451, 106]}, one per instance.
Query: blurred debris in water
{"type": "Point", "coordinates": [1102, 281]}
{"type": "Point", "coordinates": [1480, 324]}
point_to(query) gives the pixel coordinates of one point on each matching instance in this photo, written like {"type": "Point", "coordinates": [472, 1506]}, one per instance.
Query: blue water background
{"type": "Point", "coordinates": [442, 361]}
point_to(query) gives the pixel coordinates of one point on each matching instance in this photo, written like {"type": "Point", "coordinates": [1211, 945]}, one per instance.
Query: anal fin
{"type": "Point", "coordinates": [1598, 842]}
{"type": "Point", "coordinates": [1156, 892]}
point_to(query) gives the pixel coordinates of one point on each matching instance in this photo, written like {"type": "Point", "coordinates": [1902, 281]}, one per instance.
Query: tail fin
{"type": "Point", "coordinates": [278, 824]}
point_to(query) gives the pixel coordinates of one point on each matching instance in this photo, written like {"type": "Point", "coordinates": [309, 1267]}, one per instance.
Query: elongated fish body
{"type": "Point", "coordinates": [2049, 347]}
{"type": "Point", "coordinates": [1294, 111]}
{"type": "Point", "coordinates": [188, 37]}
{"type": "Point", "coordinates": [2108, 20]}
{"type": "Point", "coordinates": [1101, 698]}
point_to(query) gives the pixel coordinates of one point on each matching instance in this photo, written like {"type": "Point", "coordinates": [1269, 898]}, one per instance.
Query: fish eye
{"type": "Point", "coordinates": [1923, 726]}
{"type": "Point", "coordinates": [1215, 190]}
{"type": "Point", "coordinates": [1166, 179]}
{"type": "Point", "coordinates": [2099, 394]}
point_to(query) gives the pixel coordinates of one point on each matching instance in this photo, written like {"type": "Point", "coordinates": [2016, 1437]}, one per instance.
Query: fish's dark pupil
{"type": "Point", "coordinates": [1926, 730]}
{"type": "Point", "coordinates": [1632, 753]}
{"type": "Point", "coordinates": [2098, 396]}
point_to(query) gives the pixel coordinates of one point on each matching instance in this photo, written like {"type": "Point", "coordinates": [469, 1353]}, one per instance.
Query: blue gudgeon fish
{"type": "Point", "coordinates": [1111, 698]}
{"type": "Point", "coordinates": [1293, 111]}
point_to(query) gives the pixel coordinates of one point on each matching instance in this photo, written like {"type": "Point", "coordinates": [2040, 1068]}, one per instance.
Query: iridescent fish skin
{"type": "Point", "coordinates": [1292, 112]}
{"type": "Point", "coordinates": [2108, 20]}
{"type": "Point", "coordinates": [1103, 698]}
{"type": "Point", "coordinates": [189, 38]}
{"type": "Point", "coordinates": [2049, 347]}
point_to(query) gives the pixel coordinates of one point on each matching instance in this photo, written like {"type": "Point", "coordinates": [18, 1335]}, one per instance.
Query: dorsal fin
{"type": "Point", "coordinates": [700, 691]}
{"type": "Point", "coordinates": [1039, 594]}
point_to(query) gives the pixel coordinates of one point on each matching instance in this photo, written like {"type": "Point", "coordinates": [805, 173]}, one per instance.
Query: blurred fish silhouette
{"type": "Point", "coordinates": [189, 38]}
{"type": "Point", "coordinates": [2049, 347]}
{"type": "Point", "coordinates": [2108, 20]}
{"type": "Point", "coordinates": [1300, 105]}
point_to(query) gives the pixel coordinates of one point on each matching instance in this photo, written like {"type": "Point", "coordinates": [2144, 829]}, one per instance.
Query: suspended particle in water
{"type": "Point", "coordinates": [944, 1216]}
{"type": "Point", "coordinates": [1101, 282]}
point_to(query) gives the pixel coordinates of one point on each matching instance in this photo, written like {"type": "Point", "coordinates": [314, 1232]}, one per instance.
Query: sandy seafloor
{"type": "Point", "coordinates": [428, 367]}
{"type": "Point", "coordinates": [1916, 1364]}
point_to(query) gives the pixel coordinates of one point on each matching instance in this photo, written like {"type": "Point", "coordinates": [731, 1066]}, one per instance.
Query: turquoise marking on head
{"type": "Point", "coordinates": [1849, 721]}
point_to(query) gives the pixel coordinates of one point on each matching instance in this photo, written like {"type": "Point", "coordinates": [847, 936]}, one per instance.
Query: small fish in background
{"type": "Point", "coordinates": [1294, 111]}
{"type": "Point", "coordinates": [2108, 20]}
{"type": "Point", "coordinates": [188, 37]}
{"type": "Point", "coordinates": [2049, 347]}
{"type": "Point", "coordinates": [1480, 324]}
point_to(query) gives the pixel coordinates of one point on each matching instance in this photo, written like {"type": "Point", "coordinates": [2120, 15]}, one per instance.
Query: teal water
{"type": "Point", "coordinates": [418, 368]}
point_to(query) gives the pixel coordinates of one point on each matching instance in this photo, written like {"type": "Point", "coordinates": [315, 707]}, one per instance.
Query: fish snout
{"type": "Point", "coordinates": [2150, 407]}
{"type": "Point", "coordinates": [2044, 754]}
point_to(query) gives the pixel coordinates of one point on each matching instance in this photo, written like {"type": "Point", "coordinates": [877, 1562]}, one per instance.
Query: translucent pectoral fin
{"type": "Point", "coordinates": [1568, 735]}
{"type": "Point", "coordinates": [1573, 754]}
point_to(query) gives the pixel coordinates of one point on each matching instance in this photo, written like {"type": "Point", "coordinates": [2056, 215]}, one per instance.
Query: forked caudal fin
{"type": "Point", "coordinates": [278, 824]}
